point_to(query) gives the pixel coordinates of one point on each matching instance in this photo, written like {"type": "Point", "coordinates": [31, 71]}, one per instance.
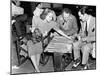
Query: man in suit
{"type": "Point", "coordinates": [86, 38]}
{"type": "Point", "coordinates": [67, 22]}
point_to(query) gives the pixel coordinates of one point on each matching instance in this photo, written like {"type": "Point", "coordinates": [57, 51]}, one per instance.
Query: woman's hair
{"type": "Point", "coordinates": [36, 36]}
{"type": "Point", "coordinates": [45, 13]}
{"type": "Point", "coordinates": [37, 4]}
{"type": "Point", "coordinates": [85, 10]}
{"type": "Point", "coordinates": [66, 10]}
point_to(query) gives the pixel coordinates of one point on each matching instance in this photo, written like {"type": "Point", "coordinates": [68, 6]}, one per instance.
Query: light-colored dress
{"type": "Point", "coordinates": [43, 27]}
{"type": "Point", "coordinates": [34, 49]}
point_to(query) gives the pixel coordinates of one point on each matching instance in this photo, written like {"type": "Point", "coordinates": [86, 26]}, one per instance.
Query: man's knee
{"type": "Point", "coordinates": [85, 49]}
{"type": "Point", "coordinates": [76, 46]}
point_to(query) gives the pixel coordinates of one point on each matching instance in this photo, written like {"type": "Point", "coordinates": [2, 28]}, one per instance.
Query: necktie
{"type": "Point", "coordinates": [86, 32]}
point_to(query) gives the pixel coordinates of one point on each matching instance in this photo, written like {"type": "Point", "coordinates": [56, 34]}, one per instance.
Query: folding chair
{"type": "Point", "coordinates": [18, 42]}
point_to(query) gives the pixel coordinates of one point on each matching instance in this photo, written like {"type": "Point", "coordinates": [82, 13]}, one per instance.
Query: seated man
{"type": "Point", "coordinates": [67, 22]}
{"type": "Point", "coordinates": [86, 38]}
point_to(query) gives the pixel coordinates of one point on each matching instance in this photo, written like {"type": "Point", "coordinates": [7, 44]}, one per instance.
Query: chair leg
{"type": "Point", "coordinates": [17, 51]}
{"type": "Point", "coordinates": [23, 60]}
{"type": "Point", "coordinates": [20, 60]}
{"type": "Point", "coordinates": [58, 62]}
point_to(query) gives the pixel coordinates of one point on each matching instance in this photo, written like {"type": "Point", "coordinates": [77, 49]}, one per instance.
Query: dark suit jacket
{"type": "Point", "coordinates": [69, 27]}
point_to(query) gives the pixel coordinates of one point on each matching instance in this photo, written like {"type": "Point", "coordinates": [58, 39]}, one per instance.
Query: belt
{"type": "Point", "coordinates": [93, 41]}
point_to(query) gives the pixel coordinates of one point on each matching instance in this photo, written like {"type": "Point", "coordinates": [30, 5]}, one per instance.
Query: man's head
{"type": "Point", "coordinates": [84, 13]}
{"type": "Point", "coordinates": [66, 12]}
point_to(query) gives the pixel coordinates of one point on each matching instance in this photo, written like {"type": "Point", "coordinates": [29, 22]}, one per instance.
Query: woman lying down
{"type": "Point", "coordinates": [43, 23]}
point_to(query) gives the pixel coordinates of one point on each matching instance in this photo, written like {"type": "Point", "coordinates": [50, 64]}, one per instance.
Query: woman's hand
{"type": "Point", "coordinates": [13, 21]}
{"type": "Point", "coordinates": [69, 37]}
{"type": "Point", "coordinates": [32, 29]}
{"type": "Point", "coordinates": [53, 34]}
{"type": "Point", "coordinates": [45, 34]}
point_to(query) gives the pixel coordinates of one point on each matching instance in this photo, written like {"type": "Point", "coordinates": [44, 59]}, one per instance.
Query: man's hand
{"type": "Point", "coordinates": [70, 41]}
{"type": "Point", "coordinates": [84, 39]}
{"type": "Point", "coordinates": [82, 34]}
{"type": "Point", "coordinates": [79, 37]}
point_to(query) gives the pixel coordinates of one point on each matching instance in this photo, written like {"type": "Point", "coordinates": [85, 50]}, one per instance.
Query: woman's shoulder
{"type": "Point", "coordinates": [53, 24]}
{"type": "Point", "coordinates": [37, 19]}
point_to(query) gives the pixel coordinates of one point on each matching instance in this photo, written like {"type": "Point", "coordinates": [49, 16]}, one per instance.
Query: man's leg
{"type": "Point", "coordinates": [76, 50]}
{"type": "Point", "coordinates": [85, 51]}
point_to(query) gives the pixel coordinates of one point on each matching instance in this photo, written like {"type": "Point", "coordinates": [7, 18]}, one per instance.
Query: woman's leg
{"type": "Point", "coordinates": [33, 58]}
{"type": "Point", "coordinates": [38, 59]}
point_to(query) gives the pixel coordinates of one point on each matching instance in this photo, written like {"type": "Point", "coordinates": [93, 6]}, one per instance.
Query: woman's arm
{"type": "Point", "coordinates": [33, 25]}
{"type": "Point", "coordinates": [61, 32]}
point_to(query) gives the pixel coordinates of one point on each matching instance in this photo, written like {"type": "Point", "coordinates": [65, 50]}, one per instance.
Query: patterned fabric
{"type": "Point", "coordinates": [34, 44]}
{"type": "Point", "coordinates": [36, 36]}
{"type": "Point", "coordinates": [17, 10]}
